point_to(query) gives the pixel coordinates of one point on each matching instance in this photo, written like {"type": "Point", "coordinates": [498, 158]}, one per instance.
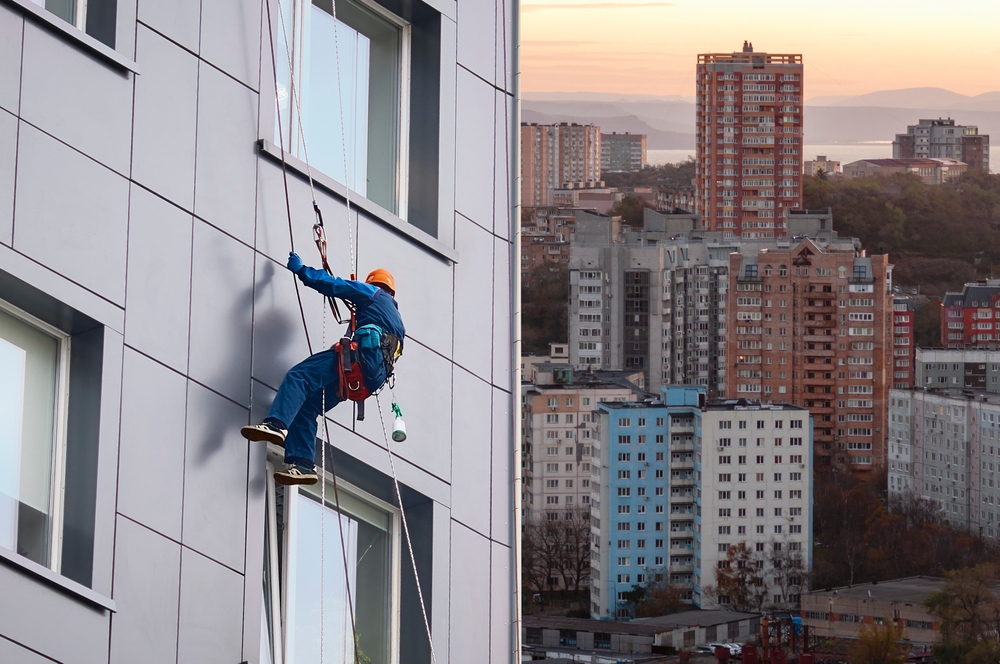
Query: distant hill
{"type": "Point", "coordinates": [669, 121]}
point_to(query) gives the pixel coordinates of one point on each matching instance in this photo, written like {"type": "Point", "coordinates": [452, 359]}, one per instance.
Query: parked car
{"type": "Point", "coordinates": [734, 649]}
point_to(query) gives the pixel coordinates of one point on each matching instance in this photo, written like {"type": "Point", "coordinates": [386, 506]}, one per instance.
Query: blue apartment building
{"type": "Point", "coordinates": [680, 480]}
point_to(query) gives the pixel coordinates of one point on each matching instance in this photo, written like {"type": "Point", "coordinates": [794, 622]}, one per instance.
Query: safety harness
{"type": "Point", "coordinates": [352, 381]}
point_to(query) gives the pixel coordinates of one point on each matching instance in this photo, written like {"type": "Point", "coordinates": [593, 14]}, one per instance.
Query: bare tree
{"type": "Point", "coordinates": [576, 548]}
{"type": "Point", "coordinates": [555, 547]}
{"type": "Point", "coordinates": [787, 572]}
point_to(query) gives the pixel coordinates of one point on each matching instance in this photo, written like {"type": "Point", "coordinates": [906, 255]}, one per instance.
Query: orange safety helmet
{"type": "Point", "coordinates": [380, 277]}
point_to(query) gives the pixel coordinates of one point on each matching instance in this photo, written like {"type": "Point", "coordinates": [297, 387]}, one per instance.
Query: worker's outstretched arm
{"type": "Point", "coordinates": [329, 285]}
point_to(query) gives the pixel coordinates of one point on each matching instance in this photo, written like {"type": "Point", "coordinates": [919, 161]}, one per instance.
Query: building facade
{"type": "Point", "coordinates": [945, 448]}
{"type": "Point", "coordinates": [821, 164]}
{"type": "Point", "coordinates": [680, 482]}
{"type": "Point", "coordinates": [943, 139]}
{"type": "Point", "coordinates": [903, 349]}
{"type": "Point", "coordinates": [559, 424]}
{"type": "Point", "coordinates": [971, 318]}
{"type": "Point", "coordinates": [930, 171]}
{"type": "Point", "coordinates": [661, 291]}
{"type": "Point", "coordinates": [748, 141]}
{"type": "Point", "coordinates": [811, 325]}
{"type": "Point", "coordinates": [144, 298]}
{"type": "Point", "coordinates": [840, 613]}
{"type": "Point", "coordinates": [623, 153]}
{"type": "Point", "coordinates": [553, 156]}
{"type": "Point", "coordinates": [938, 368]}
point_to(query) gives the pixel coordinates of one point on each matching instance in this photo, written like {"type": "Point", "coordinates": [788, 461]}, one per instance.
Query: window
{"type": "Point", "coordinates": [371, 542]}
{"type": "Point", "coordinates": [34, 366]}
{"type": "Point", "coordinates": [95, 17]}
{"type": "Point", "coordinates": [366, 100]}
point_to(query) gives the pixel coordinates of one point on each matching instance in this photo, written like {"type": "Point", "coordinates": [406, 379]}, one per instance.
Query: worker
{"type": "Point", "coordinates": [379, 333]}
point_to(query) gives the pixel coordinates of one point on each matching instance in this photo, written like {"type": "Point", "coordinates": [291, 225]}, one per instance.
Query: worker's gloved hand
{"type": "Point", "coordinates": [294, 262]}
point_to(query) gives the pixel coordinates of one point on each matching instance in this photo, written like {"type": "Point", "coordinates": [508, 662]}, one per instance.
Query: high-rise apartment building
{"type": "Point", "coordinates": [623, 153]}
{"type": "Point", "coordinates": [559, 424]}
{"type": "Point", "coordinates": [748, 141]}
{"type": "Point", "coordinates": [811, 324]}
{"type": "Point", "coordinates": [973, 369]}
{"type": "Point", "coordinates": [903, 348]}
{"type": "Point", "coordinates": [943, 139]}
{"type": "Point", "coordinates": [146, 315]}
{"type": "Point", "coordinates": [654, 299]}
{"type": "Point", "coordinates": [555, 156]}
{"type": "Point", "coordinates": [944, 445]}
{"type": "Point", "coordinates": [678, 483]}
{"type": "Point", "coordinates": [971, 319]}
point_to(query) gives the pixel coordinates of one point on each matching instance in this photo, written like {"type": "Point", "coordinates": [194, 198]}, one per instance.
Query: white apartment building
{"type": "Point", "coordinates": [944, 446]}
{"type": "Point", "coordinates": [755, 468]}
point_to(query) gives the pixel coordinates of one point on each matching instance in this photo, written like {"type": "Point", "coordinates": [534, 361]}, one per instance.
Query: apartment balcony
{"type": "Point", "coordinates": [819, 338]}
{"type": "Point", "coordinates": [682, 516]}
{"type": "Point", "coordinates": [681, 499]}
{"type": "Point", "coordinates": [819, 381]}
{"type": "Point", "coordinates": [681, 569]}
{"type": "Point", "coordinates": [681, 426]}
{"type": "Point", "coordinates": [682, 445]}
{"type": "Point", "coordinates": [819, 352]}
{"type": "Point", "coordinates": [682, 464]}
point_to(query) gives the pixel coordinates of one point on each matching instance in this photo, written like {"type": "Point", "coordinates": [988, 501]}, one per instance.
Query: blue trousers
{"type": "Point", "coordinates": [300, 400]}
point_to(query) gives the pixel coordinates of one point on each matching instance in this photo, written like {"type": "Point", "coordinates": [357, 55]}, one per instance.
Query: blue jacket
{"type": "Point", "coordinates": [375, 311]}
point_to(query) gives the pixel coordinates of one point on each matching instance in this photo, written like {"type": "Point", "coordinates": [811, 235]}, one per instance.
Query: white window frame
{"type": "Point", "coordinates": [279, 598]}
{"type": "Point", "coordinates": [403, 93]}
{"type": "Point", "coordinates": [60, 424]}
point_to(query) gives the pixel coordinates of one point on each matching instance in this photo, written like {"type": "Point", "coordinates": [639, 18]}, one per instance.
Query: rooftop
{"type": "Point", "coordinates": [966, 394]}
{"type": "Point", "coordinates": [910, 590]}
{"type": "Point", "coordinates": [909, 163]}
{"type": "Point", "coordinates": [641, 626]}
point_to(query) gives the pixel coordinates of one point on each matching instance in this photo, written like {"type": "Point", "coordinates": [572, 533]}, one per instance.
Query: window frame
{"type": "Point", "coordinates": [57, 469]}
{"type": "Point", "coordinates": [277, 607]}
{"type": "Point", "coordinates": [293, 128]}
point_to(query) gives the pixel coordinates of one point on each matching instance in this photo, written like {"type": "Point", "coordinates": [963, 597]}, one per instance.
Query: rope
{"type": "Point", "coordinates": [288, 210]}
{"type": "Point", "coordinates": [406, 527]}
{"type": "Point", "coordinates": [321, 246]}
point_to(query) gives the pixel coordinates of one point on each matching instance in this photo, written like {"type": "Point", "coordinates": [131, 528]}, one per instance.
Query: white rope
{"type": "Point", "coordinates": [406, 530]}
{"type": "Point", "coordinates": [406, 527]}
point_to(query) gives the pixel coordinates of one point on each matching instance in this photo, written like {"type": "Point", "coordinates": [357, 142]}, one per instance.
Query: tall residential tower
{"type": "Point", "coordinates": [749, 141]}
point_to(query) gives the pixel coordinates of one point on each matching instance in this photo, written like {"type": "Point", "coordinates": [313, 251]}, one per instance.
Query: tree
{"type": "Point", "coordinates": [630, 209]}
{"type": "Point", "coordinates": [969, 610]}
{"type": "Point", "coordinates": [544, 307]}
{"type": "Point", "coordinates": [659, 596]}
{"type": "Point", "coordinates": [555, 547]}
{"type": "Point", "coordinates": [788, 574]}
{"type": "Point", "coordinates": [927, 325]}
{"type": "Point", "coordinates": [739, 580]}
{"type": "Point", "coordinates": [880, 644]}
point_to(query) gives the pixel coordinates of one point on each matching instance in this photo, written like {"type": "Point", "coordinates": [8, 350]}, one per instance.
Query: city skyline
{"type": "Point", "coordinates": [652, 47]}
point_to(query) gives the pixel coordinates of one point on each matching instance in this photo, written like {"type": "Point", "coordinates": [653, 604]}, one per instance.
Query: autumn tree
{"type": "Point", "coordinates": [969, 610]}
{"type": "Point", "coordinates": [658, 597]}
{"type": "Point", "coordinates": [739, 579]}
{"type": "Point", "coordinates": [787, 573]}
{"type": "Point", "coordinates": [880, 644]}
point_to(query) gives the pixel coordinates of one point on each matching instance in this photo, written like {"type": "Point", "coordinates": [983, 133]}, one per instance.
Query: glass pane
{"type": "Point", "coordinates": [369, 552]}
{"type": "Point", "coordinates": [349, 91]}
{"type": "Point", "coordinates": [64, 9]}
{"type": "Point", "coordinates": [28, 372]}
{"type": "Point", "coordinates": [336, 105]}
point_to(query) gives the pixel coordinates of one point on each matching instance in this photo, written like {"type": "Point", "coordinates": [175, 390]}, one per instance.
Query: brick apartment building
{"type": "Point", "coordinates": [749, 141]}
{"type": "Point", "coordinates": [904, 371]}
{"type": "Point", "coordinates": [971, 319]}
{"type": "Point", "coordinates": [555, 155]}
{"type": "Point", "coordinates": [810, 325]}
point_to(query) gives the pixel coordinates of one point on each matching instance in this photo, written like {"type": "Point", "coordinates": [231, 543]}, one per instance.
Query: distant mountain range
{"type": "Point", "coordinates": [669, 121]}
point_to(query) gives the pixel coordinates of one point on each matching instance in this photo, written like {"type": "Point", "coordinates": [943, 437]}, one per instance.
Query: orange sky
{"type": "Point", "coordinates": [849, 47]}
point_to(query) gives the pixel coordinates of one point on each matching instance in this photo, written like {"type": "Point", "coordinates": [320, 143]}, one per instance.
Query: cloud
{"type": "Point", "coordinates": [533, 7]}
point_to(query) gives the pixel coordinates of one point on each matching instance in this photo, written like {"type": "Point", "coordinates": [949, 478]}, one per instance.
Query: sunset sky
{"type": "Point", "coordinates": [849, 47]}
